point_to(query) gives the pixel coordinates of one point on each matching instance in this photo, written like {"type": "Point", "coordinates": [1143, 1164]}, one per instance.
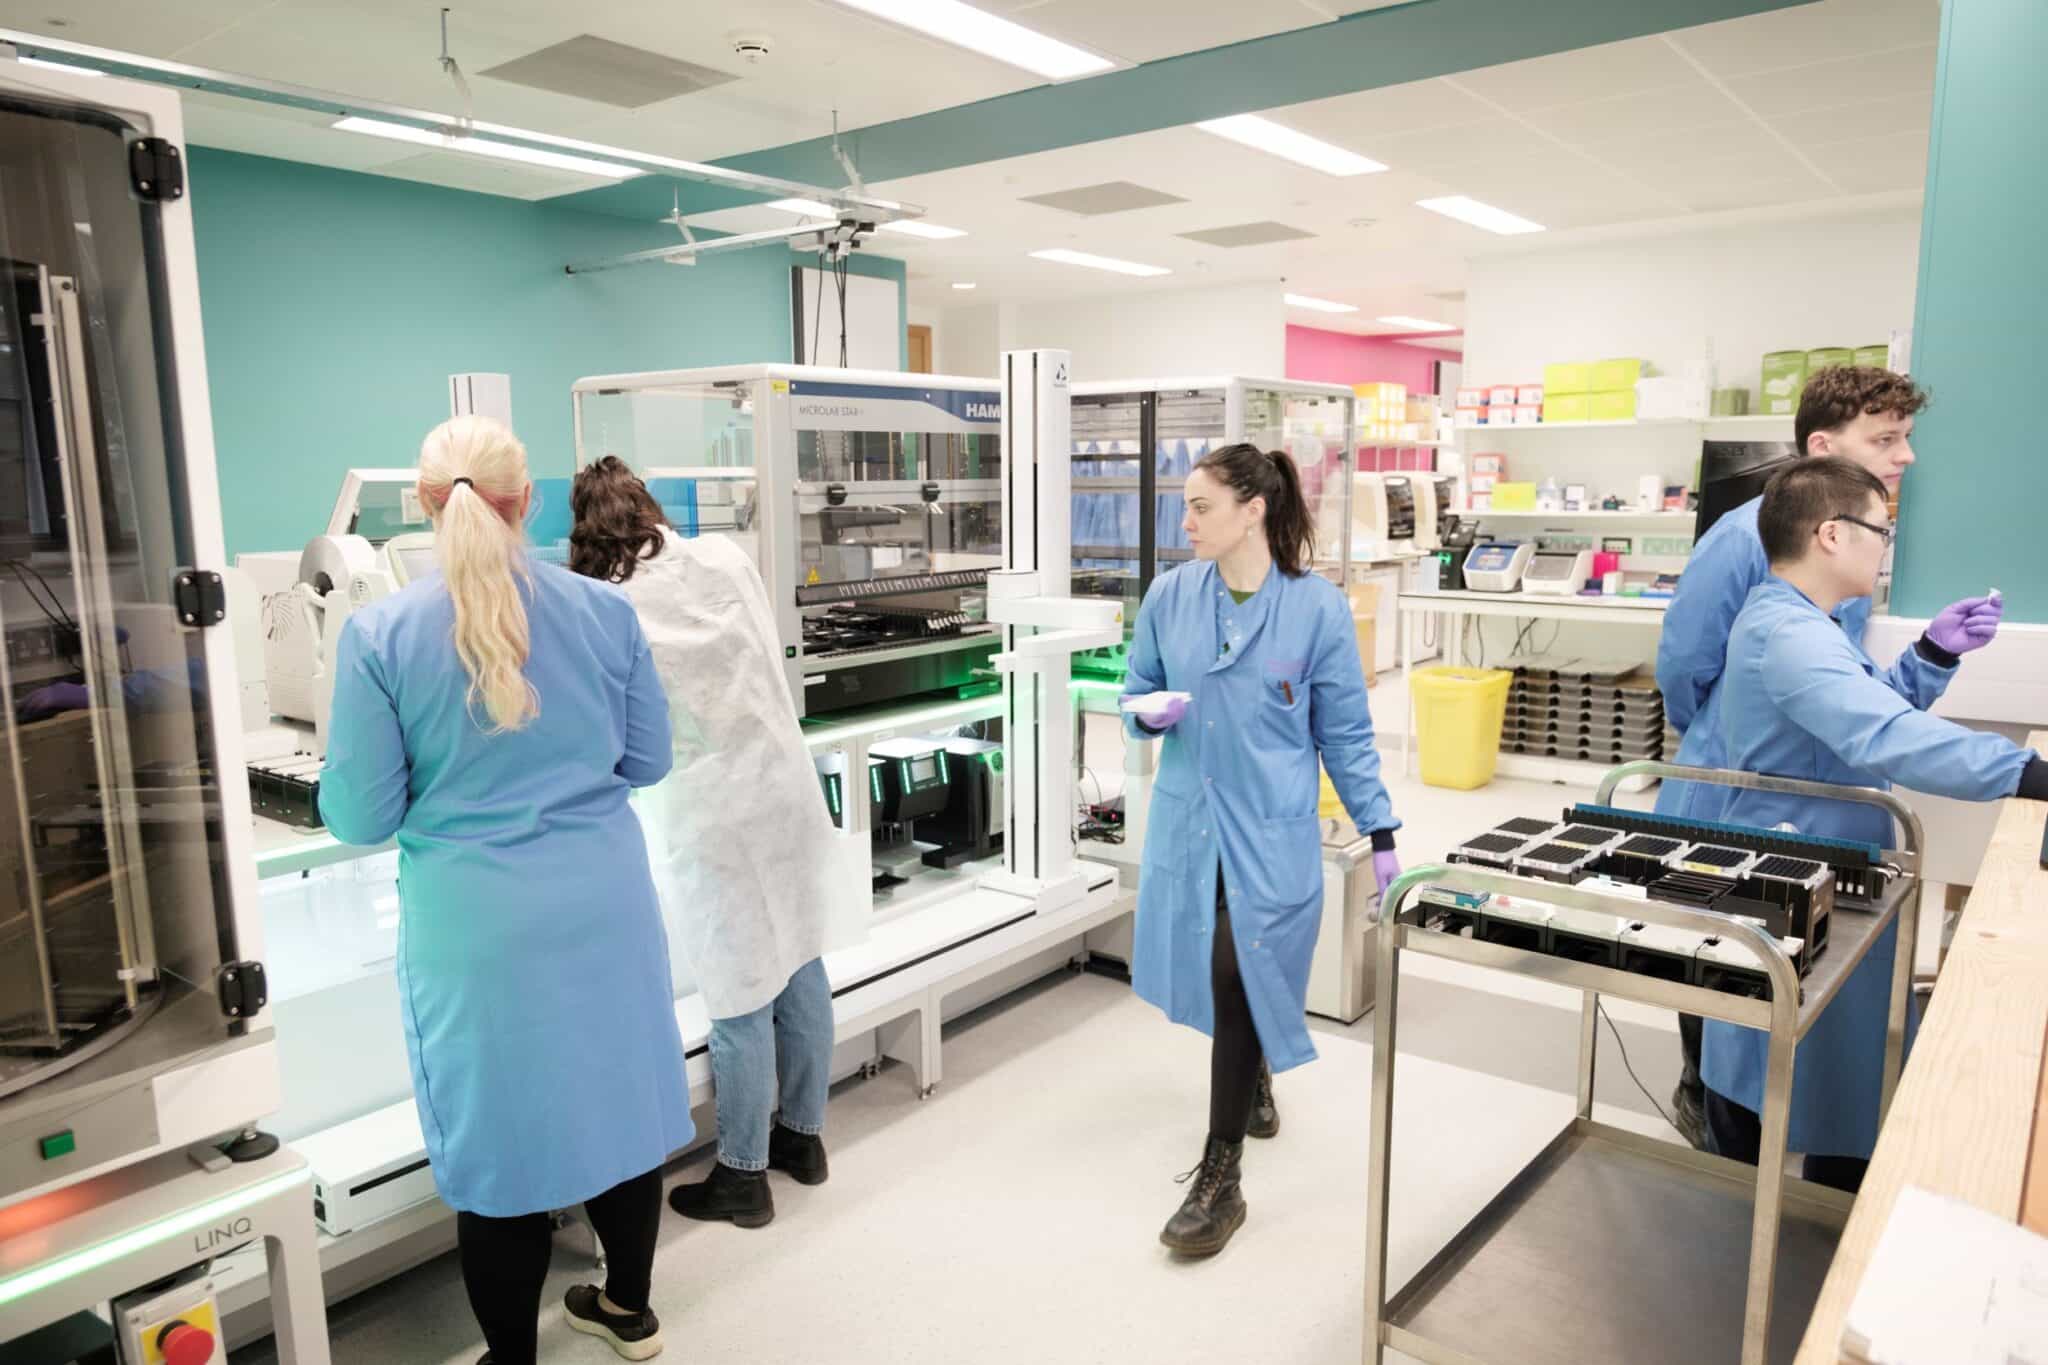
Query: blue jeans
{"type": "Point", "coordinates": [784, 1048]}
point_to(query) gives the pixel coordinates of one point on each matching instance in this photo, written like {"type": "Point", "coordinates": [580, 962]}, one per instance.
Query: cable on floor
{"type": "Point", "coordinates": [1630, 1069]}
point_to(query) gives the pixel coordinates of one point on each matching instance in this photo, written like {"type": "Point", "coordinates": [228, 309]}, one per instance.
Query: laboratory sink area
{"type": "Point", "coordinates": [928, 680]}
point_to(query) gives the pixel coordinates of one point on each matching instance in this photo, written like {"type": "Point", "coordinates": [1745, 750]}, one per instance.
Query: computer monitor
{"type": "Point", "coordinates": [411, 557]}
{"type": "Point", "coordinates": [1733, 472]}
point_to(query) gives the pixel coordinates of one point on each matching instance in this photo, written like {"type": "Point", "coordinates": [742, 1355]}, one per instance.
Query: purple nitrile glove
{"type": "Point", "coordinates": [1966, 625]}
{"type": "Point", "coordinates": [1166, 717]}
{"type": "Point", "coordinates": [45, 702]}
{"type": "Point", "coordinates": [1386, 865]}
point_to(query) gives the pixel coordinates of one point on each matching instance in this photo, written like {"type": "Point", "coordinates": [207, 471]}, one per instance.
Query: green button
{"type": "Point", "coordinates": [59, 1144]}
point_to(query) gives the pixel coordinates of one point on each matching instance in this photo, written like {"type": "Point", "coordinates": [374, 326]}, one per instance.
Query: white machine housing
{"type": "Point", "coordinates": [163, 1100]}
{"type": "Point", "coordinates": [1558, 573]}
{"type": "Point", "coordinates": [367, 1168]}
{"type": "Point", "coordinates": [1497, 566]}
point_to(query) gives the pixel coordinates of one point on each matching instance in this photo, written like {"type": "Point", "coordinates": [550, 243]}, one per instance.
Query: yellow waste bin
{"type": "Point", "coordinates": [1458, 713]}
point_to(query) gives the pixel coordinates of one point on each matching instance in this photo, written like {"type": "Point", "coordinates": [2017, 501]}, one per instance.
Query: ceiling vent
{"type": "Point", "coordinates": [1118, 196]}
{"type": "Point", "coordinates": [606, 72]}
{"type": "Point", "coordinates": [1247, 234]}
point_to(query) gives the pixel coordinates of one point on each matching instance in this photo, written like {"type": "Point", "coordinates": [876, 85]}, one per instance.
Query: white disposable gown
{"type": "Point", "coordinates": [753, 876]}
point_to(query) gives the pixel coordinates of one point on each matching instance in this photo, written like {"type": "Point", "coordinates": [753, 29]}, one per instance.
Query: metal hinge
{"type": "Point", "coordinates": [201, 598]}
{"type": "Point", "coordinates": [157, 169]}
{"type": "Point", "coordinates": [243, 988]}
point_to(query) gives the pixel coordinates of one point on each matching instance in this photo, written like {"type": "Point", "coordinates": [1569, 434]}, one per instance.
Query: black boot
{"type": "Point", "coordinates": [738, 1197]}
{"type": "Point", "coordinates": [801, 1156]}
{"type": "Point", "coordinates": [1265, 1113]}
{"type": "Point", "coordinates": [1214, 1208]}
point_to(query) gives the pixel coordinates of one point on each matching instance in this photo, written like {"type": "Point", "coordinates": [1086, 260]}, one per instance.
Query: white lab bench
{"type": "Point", "coordinates": [935, 947]}
{"type": "Point", "coordinates": [1453, 609]}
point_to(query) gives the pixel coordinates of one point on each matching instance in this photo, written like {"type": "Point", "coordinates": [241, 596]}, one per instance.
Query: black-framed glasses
{"type": "Point", "coordinates": [1886, 533]}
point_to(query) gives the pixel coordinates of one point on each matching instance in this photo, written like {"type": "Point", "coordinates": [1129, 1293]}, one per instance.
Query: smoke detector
{"type": "Point", "coordinates": [750, 47]}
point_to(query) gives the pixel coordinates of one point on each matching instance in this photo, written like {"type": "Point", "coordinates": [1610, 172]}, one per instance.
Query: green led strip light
{"type": "Point", "coordinates": [103, 1253]}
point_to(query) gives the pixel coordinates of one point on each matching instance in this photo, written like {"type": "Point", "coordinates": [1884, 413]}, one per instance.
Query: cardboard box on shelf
{"type": "Point", "coordinates": [1876, 357]}
{"type": "Point", "coordinates": [1471, 416]}
{"type": "Point", "coordinates": [1670, 397]}
{"type": "Point", "coordinates": [1528, 395]}
{"type": "Point", "coordinates": [1574, 407]}
{"type": "Point", "coordinates": [1784, 377]}
{"type": "Point", "coordinates": [1526, 414]}
{"type": "Point", "coordinates": [1502, 396]}
{"type": "Point", "coordinates": [1563, 380]}
{"type": "Point", "coordinates": [1473, 397]}
{"type": "Point", "coordinates": [1489, 462]}
{"type": "Point", "coordinates": [1612, 376]}
{"type": "Point", "coordinates": [1482, 483]}
{"type": "Point", "coordinates": [1612, 407]}
{"type": "Point", "coordinates": [1826, 357]}
{"type": "Point", "coordinates": [1514, 497]}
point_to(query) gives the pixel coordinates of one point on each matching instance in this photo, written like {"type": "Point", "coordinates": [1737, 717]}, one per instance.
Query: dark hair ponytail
{"type": "Point", "coordinates": [1253, 473]}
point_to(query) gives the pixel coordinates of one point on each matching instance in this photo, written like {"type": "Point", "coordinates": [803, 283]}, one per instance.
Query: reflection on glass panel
{"type": "Point", "coordinates": [1315, 429]}
{"type": "Point", "coordinates": [115, 905]}
{"type": "Point", "coordinates": [871, 537]}
{"type": "Point", "coordinates": [693, 444]}
{"type": "Point", "coordinates": [1105, 491]}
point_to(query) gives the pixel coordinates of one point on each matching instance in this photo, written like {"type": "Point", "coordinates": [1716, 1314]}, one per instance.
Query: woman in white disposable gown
{"type": "Point", "coordinates": [741, 845]}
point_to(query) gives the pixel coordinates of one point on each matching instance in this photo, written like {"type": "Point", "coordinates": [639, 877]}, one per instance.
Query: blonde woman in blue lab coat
{"type": "Point", "coordinates": [1248, 665]}
{"type": "Point", "coordinates": [494, 716]}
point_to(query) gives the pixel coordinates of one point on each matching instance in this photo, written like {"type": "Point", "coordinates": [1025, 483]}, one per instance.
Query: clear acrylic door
{"type": "Point", "coordinates": [115, 903]}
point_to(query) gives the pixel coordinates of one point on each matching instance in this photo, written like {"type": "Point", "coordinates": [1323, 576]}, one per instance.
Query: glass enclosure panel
{"type": "Point", "coordinates": [878, 537]}
{"type": "Point", "coordinates": [1106, 452]}
{"type": "Point", "coordinates": [1315, 429]}
{"type": "Point", "coordinates": [114, 899]}
{"type": "Point", "coordinates": [693, 444]}
{"type": "Point", "coordinates": [384, 510]}
{"type": "Point", "coordinates": [1192, 422]}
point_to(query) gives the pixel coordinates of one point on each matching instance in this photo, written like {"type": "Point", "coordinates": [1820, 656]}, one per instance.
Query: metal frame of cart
{"type": "Point", "coordinates": [1566, 1263]}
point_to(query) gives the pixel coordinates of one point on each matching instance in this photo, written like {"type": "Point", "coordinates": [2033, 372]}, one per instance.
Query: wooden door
{"type": "Point", "coordinates": [920, 350]}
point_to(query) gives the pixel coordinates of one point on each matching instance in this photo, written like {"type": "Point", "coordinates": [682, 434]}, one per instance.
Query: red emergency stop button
{"type": "Point", "coordinates": [184, 1344]}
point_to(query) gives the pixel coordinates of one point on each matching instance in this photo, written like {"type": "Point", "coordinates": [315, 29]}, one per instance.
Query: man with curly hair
{"type": "Point", "coordinates": [1858, 413]}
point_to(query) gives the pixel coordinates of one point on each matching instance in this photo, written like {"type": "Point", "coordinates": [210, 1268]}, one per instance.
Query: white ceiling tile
{"type": "Point", "coordinates": [1633, 118]}
{"type": "Point", "coordinates": [1361, 119]}
{"type": "Point", "coordinates": [1870, 165]}
{"type": "Point", "coordinates": [128, 25]}
{"type": "Point", "coordinates": [238, 126]}
{"type": "Point", "coordinates": [1838, 81]}
{"type": "Point", "coordinates": [1624, 68]}
{"type": "Point", "coordinates": [1494, 139]}
{"type": "Point", "coordinates": [1797, 35]}
{"type": "Point", "coordinates": [1674, 153]}
{"type": "Point", "coordinates": [485, 176]}
{"type": "Point", "coordinates": [1867, 118]}
{"type": "Point", "coordinates": [1147, 30]}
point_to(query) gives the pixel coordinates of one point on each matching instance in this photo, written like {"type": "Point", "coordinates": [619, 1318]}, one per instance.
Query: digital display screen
{"type": "Point", "coordinates": [1492, 558]}
{"type": "Point", "coordinates": [924, 769]}
{"type": "Point", "coordinates": [413, 565]}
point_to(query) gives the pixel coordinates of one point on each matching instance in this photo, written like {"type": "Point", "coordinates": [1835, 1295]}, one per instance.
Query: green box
{"type": "Point", "coordinates": [1827, 357]}
{"type": "Point", "coordinates": [1571, 378]}
{"type": "Point", "coordinates": [1875, 357]}
{"type": "Point", "coordinates": [1612, 376]}
{"type": "Point", "coordinates": [1571, 407]}
{"type": "Point", "coordinates": [1613, 407]}
{"type": "Point", "coordinates": [1784, 375]}
{"type": "Point", "coordinates": [59, 1144]}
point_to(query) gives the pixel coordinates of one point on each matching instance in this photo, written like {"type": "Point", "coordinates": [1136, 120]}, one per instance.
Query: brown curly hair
{"type": "Point", "coordinates": [618, 522]}
{"type": "Point", "coordinates": [1838, 395]}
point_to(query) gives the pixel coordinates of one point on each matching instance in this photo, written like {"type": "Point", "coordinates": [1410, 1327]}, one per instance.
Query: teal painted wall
{"type": "Point", "coordinates": [337, 304]}
{"type": "Point", "coordinates": [1975, 509]}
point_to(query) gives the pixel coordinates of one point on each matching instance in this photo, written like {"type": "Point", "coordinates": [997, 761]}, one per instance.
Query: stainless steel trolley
{"type": "Point", "coordinates": [1610, 1246]}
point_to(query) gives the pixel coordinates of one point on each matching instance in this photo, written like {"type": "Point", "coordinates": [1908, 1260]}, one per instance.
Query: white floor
{"type": "Point", "coordinates": [1014, 1216]}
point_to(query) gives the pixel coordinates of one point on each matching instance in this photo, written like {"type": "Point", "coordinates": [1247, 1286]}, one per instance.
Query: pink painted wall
{"type": "Point", "coordinates": [1340, 358]}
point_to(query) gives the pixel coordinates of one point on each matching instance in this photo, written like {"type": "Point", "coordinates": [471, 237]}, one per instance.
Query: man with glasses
{"type": "Point", "coordinates": [1800, 699]}
{"type": "Point", "coordinates": [1860, 414]}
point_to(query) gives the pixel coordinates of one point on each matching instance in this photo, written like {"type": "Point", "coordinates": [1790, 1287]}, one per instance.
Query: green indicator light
{"type": "Point", "coordinates": [59, 1144]}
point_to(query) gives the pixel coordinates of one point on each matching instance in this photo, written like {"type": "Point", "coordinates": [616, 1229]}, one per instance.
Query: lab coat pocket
{"type": "Point", "coordinates": [1287, 870]}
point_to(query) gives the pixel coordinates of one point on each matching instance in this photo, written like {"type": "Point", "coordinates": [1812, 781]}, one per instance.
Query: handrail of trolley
{"type": "Point", "coordinates": [1916, 835]}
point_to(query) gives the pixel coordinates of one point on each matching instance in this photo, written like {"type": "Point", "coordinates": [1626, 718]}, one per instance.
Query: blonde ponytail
{"type": "Point", "coordinates": [473, 480]}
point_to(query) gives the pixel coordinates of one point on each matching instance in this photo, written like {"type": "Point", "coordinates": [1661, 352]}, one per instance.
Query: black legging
{"type": "Point", "coordinates": [505, 1262]}
{"type": "Point", "coordinates": [1738, 1134]}
{"type": "Point", "coordinates": [1234, 1055]}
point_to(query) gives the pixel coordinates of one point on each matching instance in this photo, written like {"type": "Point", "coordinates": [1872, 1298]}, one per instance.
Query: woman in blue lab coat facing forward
{"type": "Point", "coordinates": [1231, 887]}
{"type": "Point", "coordinates": [493, 716]}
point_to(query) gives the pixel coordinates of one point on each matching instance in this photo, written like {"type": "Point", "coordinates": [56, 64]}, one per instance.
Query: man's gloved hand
{"type": "Point", "coordinates": [53, 700]}
{"type": "Point", "coordinates": [1966, 625]}
{"type": "Point", "coordinates": [1386, 865]}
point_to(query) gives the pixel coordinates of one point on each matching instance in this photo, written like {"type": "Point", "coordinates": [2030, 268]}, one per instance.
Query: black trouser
{"type": "Point", "coordinates": [505, 1262]}
{"type": "Point", "coordinates": [1234, 1054]}
{"type": "Point", "coordinates": [1736, 1133]}
{"type": "Point", "coordinates": [1690, 1027]}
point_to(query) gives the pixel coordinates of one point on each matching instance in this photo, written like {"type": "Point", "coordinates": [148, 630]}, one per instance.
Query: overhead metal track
{"type": "Point", "coordinates": [846, 232]}
{"type": "Point", "coordinates": [850, 203]}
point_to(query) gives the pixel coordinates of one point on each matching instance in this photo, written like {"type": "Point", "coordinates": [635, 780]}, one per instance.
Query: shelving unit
{"type": "Point", "coordinates": [1595, 514]}
{"type": "Point", "coordinates": [1752, 422]}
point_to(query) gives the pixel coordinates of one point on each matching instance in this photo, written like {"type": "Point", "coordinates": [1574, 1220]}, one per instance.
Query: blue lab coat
{"type": "Point", "coordinates": [1800, 699]}
{"type": "Point", "coordinates": [1727, 563]}
{"type": "Point", "coordinates": [1238, 784]}
{"type": "Point", "coordinates": [532, 966]}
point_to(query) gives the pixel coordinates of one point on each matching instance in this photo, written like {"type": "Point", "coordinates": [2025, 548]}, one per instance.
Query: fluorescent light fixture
{"type": "Point", "coordinates": [1418, 324]}
{"type": "Point", "coordinates": [64, 67]}
{"type": "Point", "coordinates": [1479, 215]}
{"type": "Point", "coordinates": [906, 227]}
{"type": "Point", "coordinates": [1319, 305]}
{"type": "Point", "coordinates": [1268, 136]}
{"type": "Point", "coordinates": [978, 31]}
{"type": "Point", "coordinates": [1110, 263]}
{"type": "Point", "coordinates": [963, 284]}
{"type": "Point", "coordinates": [503, 151]}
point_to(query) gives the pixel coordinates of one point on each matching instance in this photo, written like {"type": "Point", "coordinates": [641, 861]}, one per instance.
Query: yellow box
{"type": "Point", "coordinates": [1563, 380]}
{"type": "Point", "coordinates": [1514, 497]}
{"type": "Point", "coordinates": [1575, 407]}
{"type": "Point", "coordinates": [1613, 407]}
{"type": "Point", "coordinates": [1458, 715]}
{"type": "Point", "coordinates": [1828, 357]}
{"type": "Point", "coordinates": [1611, 376]}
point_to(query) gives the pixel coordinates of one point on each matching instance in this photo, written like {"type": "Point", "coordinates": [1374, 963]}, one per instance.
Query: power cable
{"type": "Point", "coordinates": [1623, 1047]}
